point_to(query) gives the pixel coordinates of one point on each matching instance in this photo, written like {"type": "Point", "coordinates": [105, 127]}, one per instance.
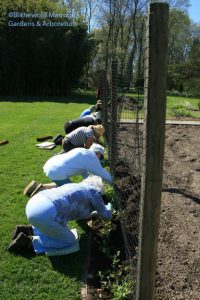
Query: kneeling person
{"type": "Point", "coordinates": [78, 161]}
{"type": "Point", "coordinates": [49, 211]}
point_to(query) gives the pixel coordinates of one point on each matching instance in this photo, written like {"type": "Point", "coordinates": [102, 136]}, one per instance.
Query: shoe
{"type": "Point", "coordinates": [30, 188]}
{"type": "Point", "coordinates": [26, 229]}
{"type": "Point", "coordinates": [22, 241]}
{"type": "Point", "coordinates": [38, 189]}
{"type": "Point", "coordinates": [4, 142]}
{"type": "Point", "coordinates": [44, 138]}
{"type": "Point", "coordinates": [58, 139]}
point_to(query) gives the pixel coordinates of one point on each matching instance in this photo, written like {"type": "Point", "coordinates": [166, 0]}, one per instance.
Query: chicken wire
{"type": "Point", "coordinates": [122, 118]}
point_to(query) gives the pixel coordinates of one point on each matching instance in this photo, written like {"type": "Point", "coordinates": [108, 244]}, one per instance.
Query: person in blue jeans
{"type": "Point", "coordinates": [88, 111]}
{"type": "Point", "coordinates": [92, 109]}
{"type": "Point", "coordinates": [49, 211]}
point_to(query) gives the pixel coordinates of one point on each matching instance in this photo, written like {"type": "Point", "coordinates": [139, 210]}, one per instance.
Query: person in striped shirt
{"type": "Point", "coordinates": [82, 137]}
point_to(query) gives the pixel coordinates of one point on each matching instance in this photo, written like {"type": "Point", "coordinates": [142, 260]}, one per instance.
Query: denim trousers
{"type": "Point", "coordinates": [50, 230]}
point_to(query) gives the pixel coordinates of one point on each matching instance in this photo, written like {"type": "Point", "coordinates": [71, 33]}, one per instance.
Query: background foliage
{"type": "Point", "coordinates": [51, 61]}
{"type": "Point", "coordinates": [41, 60]}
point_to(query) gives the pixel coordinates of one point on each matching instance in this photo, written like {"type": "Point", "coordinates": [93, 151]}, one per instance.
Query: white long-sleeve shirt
{"type": "Point", "coordinates": [79, 161]}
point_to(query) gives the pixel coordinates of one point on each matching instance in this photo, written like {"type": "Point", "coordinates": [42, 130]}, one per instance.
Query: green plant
{"type": "Point", "coordinates": [181, 112]}
{"type": "Point", "coordinates": [111, 194]}
{"type": "Point", "coordinates": [198, 104]}
{"type": "Point", "coordinates": [117, 279]}
{"type": "Point", "coordinates": [122, 290]}
{"type": "Point", "coordinates": [103, 245]}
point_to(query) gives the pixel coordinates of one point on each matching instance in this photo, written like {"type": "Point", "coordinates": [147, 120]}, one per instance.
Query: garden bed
{"type": "Point", "coordinates": [107, 241]}
{"type": "Point", "coordinates": [178, 268]}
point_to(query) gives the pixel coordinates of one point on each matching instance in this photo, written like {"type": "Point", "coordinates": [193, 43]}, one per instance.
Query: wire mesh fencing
{"type": "Point", "coordinates": [122, 115]}
{"type": "Point", "coordinates": [135, 138]}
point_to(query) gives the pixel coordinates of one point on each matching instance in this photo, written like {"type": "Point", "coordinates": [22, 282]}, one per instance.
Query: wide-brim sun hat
{"type": "Point", "coordinates": [99, 129]}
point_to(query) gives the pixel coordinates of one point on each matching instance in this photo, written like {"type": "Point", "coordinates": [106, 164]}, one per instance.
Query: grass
{"type": "Point", "coordinates": [21, 122]}
{"type": "Point", "coordinates": [177, 107]}
{"type": "Point", "coordinates": [182, 107]}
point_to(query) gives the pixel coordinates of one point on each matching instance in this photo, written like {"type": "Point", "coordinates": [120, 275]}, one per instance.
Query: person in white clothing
{"type": "Point", "coordinates": [78, 161]}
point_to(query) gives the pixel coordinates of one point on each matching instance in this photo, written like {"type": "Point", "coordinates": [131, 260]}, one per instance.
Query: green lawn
{"type": "Point", "coordinates": [177, 107]}
{"type": "Point", "coordinates": [182, 107]}
{"type": "Point", "coordinates": [21, 122]}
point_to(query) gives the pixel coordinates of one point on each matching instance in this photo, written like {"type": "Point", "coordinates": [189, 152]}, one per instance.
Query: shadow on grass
{"type": "Point", "coordinates": [87, 97]}
{"type": "Point", "coordinates": [24, 253]}
{"type": "Point", "coordinates": [71, 265]}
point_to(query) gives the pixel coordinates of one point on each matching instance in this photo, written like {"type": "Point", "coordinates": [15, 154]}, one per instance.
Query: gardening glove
{"type": "Point", "coordinates": [109, 206]}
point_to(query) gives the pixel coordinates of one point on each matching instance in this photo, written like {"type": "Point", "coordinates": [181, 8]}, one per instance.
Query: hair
{"type": "Point", "coordinates": [97, 182]}
{"type": "Point", "coordinates": [98, 121]}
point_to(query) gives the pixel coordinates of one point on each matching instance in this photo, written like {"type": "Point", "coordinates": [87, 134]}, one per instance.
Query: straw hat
{"type": "Point", "coordinates": [99, 129]}
{"type": "Point", "coordinates": [99, 102]}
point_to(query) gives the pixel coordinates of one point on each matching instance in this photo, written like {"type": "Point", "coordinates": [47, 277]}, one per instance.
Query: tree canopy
{"type": "Point", "coordinates": [51, 60]}
{"type": "Point", "coordinates": [41, 58]}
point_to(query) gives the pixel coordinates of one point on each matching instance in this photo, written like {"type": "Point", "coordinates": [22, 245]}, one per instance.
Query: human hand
{"type": "Point", "coordinates": [109, 206]}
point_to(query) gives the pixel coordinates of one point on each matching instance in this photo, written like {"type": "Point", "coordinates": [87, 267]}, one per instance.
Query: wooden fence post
{"type": "Point", "coordinates": [153, 150]}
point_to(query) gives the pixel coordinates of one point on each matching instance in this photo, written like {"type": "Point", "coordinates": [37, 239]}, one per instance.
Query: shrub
{"type": "Point", "coordinates": [186, 94]}
{"type": "Point", "coordinates": [173, 93]}
{"type": "Point", "coordinates": [181, 112]}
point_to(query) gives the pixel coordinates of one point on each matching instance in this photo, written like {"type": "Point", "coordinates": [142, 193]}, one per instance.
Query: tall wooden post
{"type": "Point", "coordinates": [153, 153]}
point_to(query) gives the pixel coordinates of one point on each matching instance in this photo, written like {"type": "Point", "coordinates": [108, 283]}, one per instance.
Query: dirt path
{"type": "Point", "coordinates": [178, 275]}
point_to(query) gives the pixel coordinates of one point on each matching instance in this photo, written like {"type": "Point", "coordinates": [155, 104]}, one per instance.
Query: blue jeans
{"type": "Point", "coordinates": [50, 229]}
{"type": "Point", "coordinates": [61, 182]}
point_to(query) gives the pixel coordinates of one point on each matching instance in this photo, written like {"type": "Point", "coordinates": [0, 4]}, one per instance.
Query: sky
{"type": "Point", "coordinates": [194, 10]}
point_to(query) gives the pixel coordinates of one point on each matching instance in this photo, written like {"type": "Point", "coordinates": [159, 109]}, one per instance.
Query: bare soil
{"type": "Point", "coordinates": [178, 265]}
{"type": "Point", "coordinates": [178, 271]}
{"type": "Point", "coordinates": [100, 261]}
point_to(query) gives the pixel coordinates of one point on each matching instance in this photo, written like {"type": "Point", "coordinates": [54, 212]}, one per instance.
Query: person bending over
{"type": "Point", "coordinates": [88, 111]}
{"type": "Point", "coordinates": [84, 121]}
{"type": "Point", "coordinates": [78, 161]}
{"type": "Point", "coordinates": [49, 212]}
{"type": "Point", "coordinates": [94, 109]}
{"type": "Point", "coordinates": [82, 137]}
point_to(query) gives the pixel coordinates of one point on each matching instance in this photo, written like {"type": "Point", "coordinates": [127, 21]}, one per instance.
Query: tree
{"type": "Point", "coordinates": [121, 32]}
{"type": "Point", "coordinates": [179, 36]}
{"type": "Point", "coordinates": [41, 60]}
{"type": "Point", "coordinates": [192, 82]}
